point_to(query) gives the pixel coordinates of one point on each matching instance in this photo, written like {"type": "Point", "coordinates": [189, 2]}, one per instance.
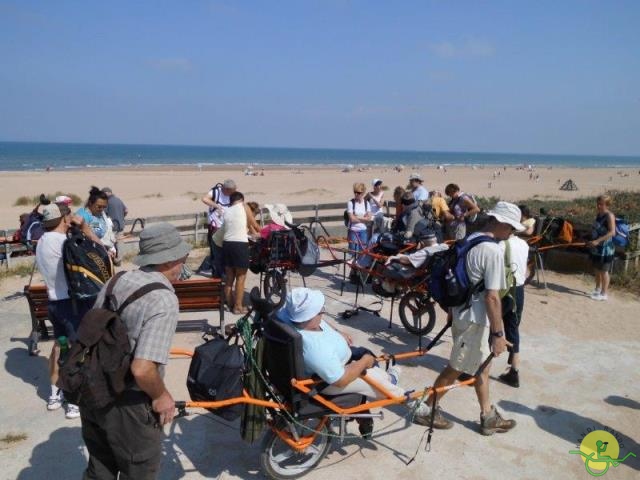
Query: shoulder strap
{"type": "Point", "coordinates": [108, 297]}
{"type": "Point", "coordinates": [142, 291]}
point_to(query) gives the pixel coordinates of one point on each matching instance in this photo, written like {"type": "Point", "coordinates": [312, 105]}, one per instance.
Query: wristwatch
{"type": "Point", "coordinates": [497, 334]}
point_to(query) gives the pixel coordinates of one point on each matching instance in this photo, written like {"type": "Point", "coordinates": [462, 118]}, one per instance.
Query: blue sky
{"type": "Point", "coordinates": [492, 76]}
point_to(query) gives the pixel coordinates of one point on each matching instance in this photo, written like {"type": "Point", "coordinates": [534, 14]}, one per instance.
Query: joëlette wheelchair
{"type": "Point", "coordinates": [301, 420]}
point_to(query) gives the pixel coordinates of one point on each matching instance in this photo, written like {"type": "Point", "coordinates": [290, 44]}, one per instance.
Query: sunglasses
{"type": "Point", "coordinates": [357, 193]}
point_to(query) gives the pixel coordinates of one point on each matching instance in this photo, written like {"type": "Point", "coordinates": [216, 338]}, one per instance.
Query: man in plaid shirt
{"type": "Point", "coordinates": [125, 437]}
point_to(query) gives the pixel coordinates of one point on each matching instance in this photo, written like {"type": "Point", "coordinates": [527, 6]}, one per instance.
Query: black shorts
{"type": "Point", "coordinates": [236, 254]}
{"type": "Point", "coordinates": [602, 264]}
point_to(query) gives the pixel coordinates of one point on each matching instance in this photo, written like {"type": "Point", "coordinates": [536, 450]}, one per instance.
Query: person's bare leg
{"type": "Point", "coordinates": [482, 391]}
{"type": "Point", "coordinates": [446, 378]}
{"type": "Point", "coordinates": [53, 362]}
{"type": "Point", "coordinates": [241, 276]}
{"type": "Point", "coordinates": [598, 280]}
{"type": "Point", "coordinates": [515, 361]}
{"type": "Point", "coordinates": [604, 282]}
{"type": "Point", "coordinates": [228, 286]}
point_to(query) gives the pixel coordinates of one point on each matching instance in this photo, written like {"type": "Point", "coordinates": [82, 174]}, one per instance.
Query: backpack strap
{"type": "Point", "coordinates": [109, 299]}
{"type": "Point", "coordinates": [142, 291]}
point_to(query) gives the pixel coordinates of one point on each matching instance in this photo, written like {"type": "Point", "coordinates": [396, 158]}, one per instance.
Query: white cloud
{"type": "Point", "coordinates": [173, 64]}
{"type": "Point", "coordinates": [471, 47]}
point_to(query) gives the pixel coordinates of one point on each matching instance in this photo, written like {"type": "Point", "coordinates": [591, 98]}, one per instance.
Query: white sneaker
{"type": "Point", "coordinates": [596, 291]}
{"type": "Point", "coordinates": [422, 410]}
{"type": "Point", "coordinates": [72, 411]}
{"type": "Point", "coordinates": [394, 374]}
{"type": "Point", "coordinates": [595, 295]}
{"type": "Point", "coordinates": [55, 401]}
{"type": "Point", "coordinates": [601, 298]}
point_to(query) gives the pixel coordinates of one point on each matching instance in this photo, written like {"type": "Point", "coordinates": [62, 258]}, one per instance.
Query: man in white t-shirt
{"type": "Point", "coordinates": [64, 314]}
{"type": "Point", "coordinates": [218, 200]}
{"type": "Point", "coordinates": [519, 255]}
{"type": "Point", "coordinates": [477, 328]}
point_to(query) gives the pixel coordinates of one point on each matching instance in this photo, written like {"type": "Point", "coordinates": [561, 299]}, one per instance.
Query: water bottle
{"type": "Point", "coordinates": [63, 341]}
{"type": "Point", "coordinates": [64, 344]}
{"type": "Point", "coordinates": [453, 288]}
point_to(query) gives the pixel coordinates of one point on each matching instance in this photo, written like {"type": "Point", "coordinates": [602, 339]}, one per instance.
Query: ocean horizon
{"type": "Point", "coordinates": [34, 156]}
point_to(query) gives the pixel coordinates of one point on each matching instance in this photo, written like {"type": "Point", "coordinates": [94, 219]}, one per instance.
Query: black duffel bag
{"type": "Point", "coordinates": [216, 373]}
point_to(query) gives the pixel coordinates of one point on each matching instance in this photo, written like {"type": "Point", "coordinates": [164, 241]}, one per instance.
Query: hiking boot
{"type": "Point", "coordinates": [365, 427]}
{"type": "Point", "coordinates": [55, 401]}
{"type": "Point", "coordinates": [72, 411]}
{"type": "Point", "coordinates": [493, 422]}
{"type": "Point", "coordinates": [511, 378]}
{"type": "Point", "coordinates": [423, 417]}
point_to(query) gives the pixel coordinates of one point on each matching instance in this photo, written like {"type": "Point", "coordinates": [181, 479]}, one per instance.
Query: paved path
{"type": "Point", "coordinates": [579, 371]}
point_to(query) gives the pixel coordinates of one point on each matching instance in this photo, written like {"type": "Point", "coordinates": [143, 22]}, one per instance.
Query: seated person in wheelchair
{"type": "Point", "coordinates": [428, 245]}
{"type": "Point", "coordinates": [329, 354]}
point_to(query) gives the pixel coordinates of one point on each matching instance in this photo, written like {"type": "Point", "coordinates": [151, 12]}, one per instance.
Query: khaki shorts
{"type": "Point", "coordinates": [470, 346]}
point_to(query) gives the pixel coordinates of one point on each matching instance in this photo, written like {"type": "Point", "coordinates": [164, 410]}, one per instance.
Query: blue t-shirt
{"type": "Point", "coordinates": [325, 353]}
{"type": "Point", "coordinates": [421, 194]}
{"type": "Point", "coordinates": [97, 224]}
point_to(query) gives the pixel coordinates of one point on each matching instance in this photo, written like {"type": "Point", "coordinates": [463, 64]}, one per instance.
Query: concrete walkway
{"type": "Point", "coordinates": [579, 372]}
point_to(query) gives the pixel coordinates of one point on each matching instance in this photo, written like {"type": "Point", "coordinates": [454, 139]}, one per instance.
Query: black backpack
{"type": "Point", "coordinates": [32, 229]}
{"type": "Point", "coordinates": [217, 190]}
{"type": "Point", "coordinates": [96, 370]}
{"type": "Point", "coordinates": [345, 215]}
{"type": "Point", "coordinates": [87, 265]}
{"type": "Point", "coordinates": [216, 373]}
{"type": "Point", "coordinates": [448, 282]}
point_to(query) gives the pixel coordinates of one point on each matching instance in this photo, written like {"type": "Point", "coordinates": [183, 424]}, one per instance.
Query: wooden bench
{"type": "Point", "coordinates": [193, 296]}
{"type": "Point", "coordinates": [199, 295]}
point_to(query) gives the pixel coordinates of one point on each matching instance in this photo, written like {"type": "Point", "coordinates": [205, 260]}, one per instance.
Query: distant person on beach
{"type": "Point", "coordinates": [513, 304]}
{"type": "Point", "coordinates": [359, 212]}
{"type": "Point", "coordinates": [253, 210]}
{"type": "Point", "coordinates": [93, 214]}
{"type": "Point", "coordinates": [420, 193]}
{"type": "Point", "coordinates": [397, 197]}
{"type": "Point", "coordinates": [64, 314]}
{"type": "Point", "coordinates": [527, 220]}
{"type": "Point", "coordinates": [359, 215]}
{"type": "Point", "coordinates": [601, 247]}
{"type": "Point", "coordinates": [117, 211]}
{"type": "Point", "coordinates": [235, 248]}
{"type": "Point", "coordinates": [478, 328]}
{"type": "Point", "coordinates": [376, 201]}
{"type": "Point", "coordinates": [463, 210]}
{"type": "Point", "coordinates": [218, 200]}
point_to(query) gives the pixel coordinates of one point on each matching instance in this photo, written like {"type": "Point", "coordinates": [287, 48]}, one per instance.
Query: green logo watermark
{"type": "Point", "coordinates": [600, 450]}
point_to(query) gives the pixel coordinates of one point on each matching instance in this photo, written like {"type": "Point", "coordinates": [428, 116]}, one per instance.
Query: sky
{"type": "Point", "coordinates": [478, 76]}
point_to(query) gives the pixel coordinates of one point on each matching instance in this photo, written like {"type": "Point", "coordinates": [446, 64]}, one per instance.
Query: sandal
{"type": "Point", "coordinates": [240, 311]}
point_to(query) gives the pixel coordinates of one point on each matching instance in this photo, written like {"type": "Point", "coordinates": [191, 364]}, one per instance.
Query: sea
{"type": "Point", "coordinates": [43, 156]}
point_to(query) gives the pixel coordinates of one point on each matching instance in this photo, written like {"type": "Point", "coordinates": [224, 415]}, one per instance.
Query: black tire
{"type": "Point", "coordinates": [280, 461]}
{"type": "Point", "coordinates": [274, 288]}
{"type": "Point", "coordinates": [413, 308]}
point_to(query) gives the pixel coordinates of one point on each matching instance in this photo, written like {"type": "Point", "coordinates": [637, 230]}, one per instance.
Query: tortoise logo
{"type": "Point", "coordinates": [599, 450]}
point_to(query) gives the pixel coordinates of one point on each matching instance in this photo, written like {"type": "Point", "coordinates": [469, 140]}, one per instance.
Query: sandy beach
{"type": "Point", "coordinates": [176, 190]}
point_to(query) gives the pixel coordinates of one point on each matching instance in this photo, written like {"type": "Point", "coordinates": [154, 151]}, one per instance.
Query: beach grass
{"type": "Point", "coordinates": [33, 200]}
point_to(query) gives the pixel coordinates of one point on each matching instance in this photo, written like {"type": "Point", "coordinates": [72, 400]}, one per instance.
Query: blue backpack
{"type": "Point", "coordinates": [621, 238]}
{"type": "Point", "coordinates": [448, 282]}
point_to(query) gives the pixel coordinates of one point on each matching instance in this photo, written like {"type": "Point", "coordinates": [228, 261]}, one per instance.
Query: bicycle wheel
{"type": "Point", "coordinates": [274, 287]}
{"type": "Point", "coordinates": [414, 306]}
{"type": "Point", "coordinates": [282, 462]}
